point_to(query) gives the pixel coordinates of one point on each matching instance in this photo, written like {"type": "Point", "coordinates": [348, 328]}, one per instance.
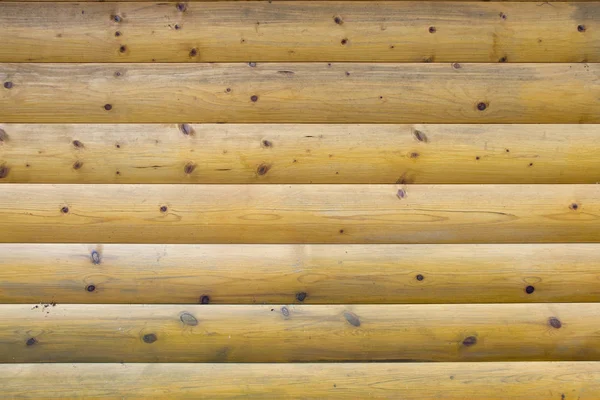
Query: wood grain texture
{"type": "Point", "coordinates": [404, 31]}
{"type": "Point", "coordinates": [299, 213]}
{"type": "Point", "coordinates": [301, 92]}
{"type": "Point", "coordinates": [310, 274]}
{"type": "Point", "coordinates": [409, 381]}
{"type": "Point", "coordinates": [297, 333]}
{"type": "Point", "coordinates": [223, 153]}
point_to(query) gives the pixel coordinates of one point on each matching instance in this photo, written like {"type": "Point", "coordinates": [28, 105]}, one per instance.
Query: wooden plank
{"type": "Point", "coordinates": [297, 333]}
{"type": "Point", "coordinates": [409, 381]}
{"type": "Point", "coordinates": [294, 31]}
{"type": "Point", "coordinates": [299, 213]}
{"type": "Point", "coordinates": [311, 274]}
{"type": "Point", "coordinates": [222, 153]}
{"type": "Point", "coordinates": [301, 92]}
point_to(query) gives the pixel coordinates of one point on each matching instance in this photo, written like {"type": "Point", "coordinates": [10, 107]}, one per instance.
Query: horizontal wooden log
{"type": "Point", "coordinates": [220, 153]}
{"type": "Point", "coordinates": [300, 92]}
{"type": "Point", "coordinates": [299, 213]}
{"type": "Point", "coordinates": [409, 381]}
{"type": "Point", "coordinates": [298, 333]}
{"type": "Point", "coordinates": [294, 31]}
{"type": "Point", "coordinates": [310, 274]}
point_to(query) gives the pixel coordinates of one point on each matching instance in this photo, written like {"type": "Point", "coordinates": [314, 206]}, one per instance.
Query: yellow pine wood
{"type": "Point", "coordinates": [223, 153]}
{"type": "Point", "coordinates": [299, 213]}
{"type": "Point", "coordinates": [296, 333]}
{"type": "Point", "coordinates": [310, 274]}
{"type": "Point", "coordinates": [301, 92]}
{"type": "Point", "coordinates": [393, 31]}
{"type": "Point", "coordinates": [411, 381]}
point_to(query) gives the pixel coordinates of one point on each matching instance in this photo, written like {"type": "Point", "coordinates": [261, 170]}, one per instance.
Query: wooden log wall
{"type": "Point", "coordinates": [300, 199]}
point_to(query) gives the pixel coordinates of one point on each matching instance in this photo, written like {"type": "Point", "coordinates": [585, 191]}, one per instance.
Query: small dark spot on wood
{"type": "Point", "coordinates": [502, 15]}
{"type": "Point", "coordinates": [380, 97]}
{"type": "Point", "coordinates": [392, 46]}
{"type": "Point", "coordinates": [117, 145]}
{"type": "Point", "coordinates": [352, 318]}
{"type": "Point", "coordinates": [95, 257]}
{"type": "Point", "coordinates": [477, 158]}
{"type": "Point", "coordinates": [254, 98]}
{"type": "Point", "coordinates": [27, 165]}
{"type": "Point", "coordinates": [503, 59]}
{"type": "Point", "coordinates": [451, 377]}
{"type": "Point", "coordinates": [117, 74]}
{"type": "Point", "coordinates": [4, 170]}
{"type": "Point", "coordinates": [193, 52]}
{"type": "Point", "coordinates": [285, 311]}
{"type": "Point", "coordinates": [177, 27]}
{"type": "Point", "coordinates": [8, 85]}
{"type": "Point", "coordinates": [432, 29]}
{"type": "Point", "coordinates": [420, 277]}
{"type": "Point", "coordinates": [116, 18]}
{"type": "Point", "coordinates": [414, 155]}
{"type": "Point", "coordinates": [188, 319]}
{"type": "Point", "coordinates": [420, 136]}
{"type": "Point", "coordinates": [186, 129]}
{"type": "Point", "coordinates": [301, 296]}
{"type": "Point", "coordinates": [469, 341]}
{"type": "Point", "coordinates": [90, 288]}
{"type": "Point", "coordinates": [287, 73]}
{"type": "Point", "coordinates": [554, 322]}
{"type": "Point", "coordinates": [267, 143]}
{"type": "Point", "coordinates": [334, 385]}
{"type": "Point", "coordinates": [78, 144]}
{"type": "Point", "coordinates": [64, 210]}
{"type": "Point", "coordinates": [401, 194]}
{"type": "Point", "coordinates": [3, 136]}
{"type": "Point", "coordinates": [529, 289]}
{"type": "Point", "coordinates": [562, 396]}
{"type": "Point", "coordinates": [581, 28]}
{"type": "Point", "coordinates": [456, 66]}
{"type": "Point", "coordinates": [181, 7]}
{"type": "Point", "coordinates": [344, 41]}
{"type": "Point", "coordinates": [31, 341]}
{"type": "Point", "coordinates": [149, 338]}
{"type": "Point", "coordinates": [341, 231]}
{"type": "Point", "coordinates": [574, 206]}
{"type": "Point", "coordinates": [189, 168]}
{"type": "Point", "coordinates": [204, 300]}
{"type": "Point", "coordinates": [347, 73]}
{"type": "Point", "coordinates": [77, 164]}
{"type": "Point", "coordinates": [531, 164]}
{"type": "Point", "coordinates": [117, 34]}
{"type": "Point", "coordinates": [163, 209]}
{"type": "Point", "coordinates": [481, 106]}
{"type": "Point", "coordinates": [338, 20]}
{"type": "Point", "coordinates": [295, 161]}
{"type": "Point", "coordinates": [118, 172]}
{"type": "Point", "coordinates": [123, 49]}
{"type": "Point", "coordinates": [263, 169]}
{"type": "Point", "coordinates": [107, 107]}
{"type": "Point", "coordinates": [252, 64]}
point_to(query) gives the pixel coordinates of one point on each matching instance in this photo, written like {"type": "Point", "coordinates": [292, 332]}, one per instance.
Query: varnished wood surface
{"type": "Point", "coordinates": [296, 31]}
{"type": "Point", "coordinates": [300, 92]}
{"type": "Point", "coordinates": [298, 274]}
{"type": "Point", "coordinates": [297, 333]}
{"type": "Point", "coordinates": [311, 153]}
{"type": "Point", "coordinates": [299, 213]}
{"type": "Point", "coordinates": [412, 381]}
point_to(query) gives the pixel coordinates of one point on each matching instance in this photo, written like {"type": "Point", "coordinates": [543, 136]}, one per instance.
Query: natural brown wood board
{"type": "Point", "coordinates": [300, 92]}
{"type": "Point", "coordinates": [307, 153]}
{"type": "Point", "coordinates": [299, 213]}
{"type": "Point", "coordinates": [409, 381]}
{"type": "Point", "coordinates": [309, 274]}
{"type": "Point", "coordinates": [294, 31]}
{"type": "Point", "coordinates": [297, 333]}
